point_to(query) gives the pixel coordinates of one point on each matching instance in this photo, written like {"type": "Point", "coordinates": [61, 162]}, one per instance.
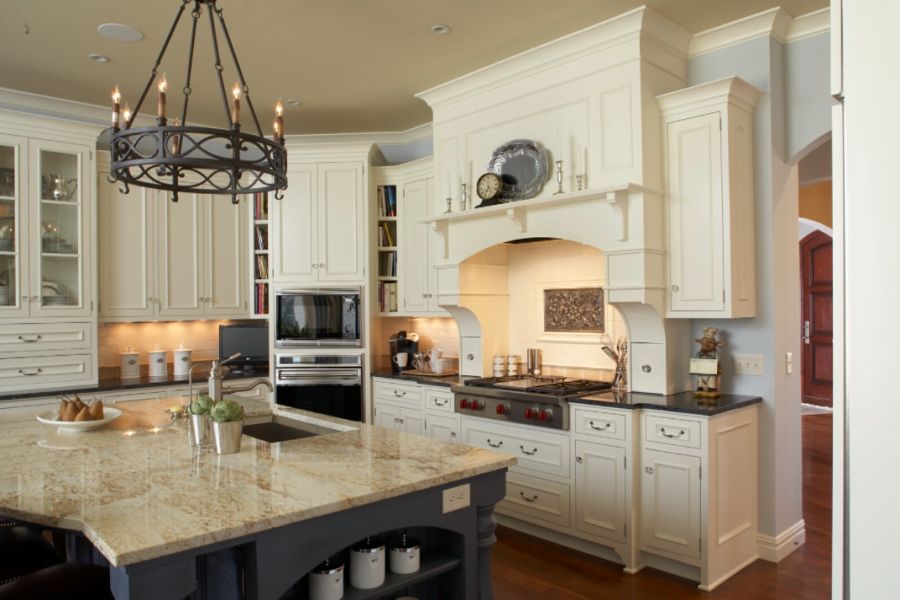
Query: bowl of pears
{"type": "Point", "coordinates": [75, 416]}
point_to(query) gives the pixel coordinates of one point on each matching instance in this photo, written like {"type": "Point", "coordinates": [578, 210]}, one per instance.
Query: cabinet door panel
{"type": "Point", "coordinates": [341, 216]}
{"type": "Point", "coordinates": [695, 212]}
{"type": "Point", "coordinates": [180, 256]}
{"type": "Point", "coordinates": [14, 227]}
{"type": "Point", "coordinates": [670, 503]}
{"type": "Point", "coordinates": [387, 415]}
{"type": "Point", "coordinates": [444, 428]}
{"type": "Point", "coordinates": [126, 239]}
{"type": "Point", "coordinates": [600, 488]}
{"type": "Point", "coordinates": [225, 260]}
{"type": "Point", "coordinates": [414, 250]}
{"type": "Point", "coordinates": [412, 421]}
{"type": "Point", "coordinates": [293, 227]}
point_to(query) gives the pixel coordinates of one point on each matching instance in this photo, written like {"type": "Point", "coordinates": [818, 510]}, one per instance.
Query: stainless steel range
{"type": "Point", "coordinates": [537, 401]}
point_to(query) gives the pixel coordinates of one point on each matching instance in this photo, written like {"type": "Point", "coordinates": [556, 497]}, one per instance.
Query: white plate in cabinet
{"type": "Point", "coordinates": [45, 336]}
{"type": "Point", "coordinates": [407, 393]}
{"type": "Point", "coordinates": [536, 499]}
{"type": "Point", "coordinates": [34, 372]}
{"type": "Point", "coordinates": [597, 423]}
{"type": "Point", "coordinates": [670, 503]}
{"type": "Point", "coordinates": [600, 488]}
{"type": "Point", "coordinates": [538, 451]}
{"type": "Point", "coordinates": [671, 431]}
{"type": "Point", "coordinates": [439, 400]}
{"type": "Point", "coordinates": [442, 427]}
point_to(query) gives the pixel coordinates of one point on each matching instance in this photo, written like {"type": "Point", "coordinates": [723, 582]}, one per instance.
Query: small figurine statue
{"type": "Point", "coordinates": [707, 366]}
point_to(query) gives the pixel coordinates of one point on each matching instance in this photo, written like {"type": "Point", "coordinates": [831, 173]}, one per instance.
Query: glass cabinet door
{"type": "Point", "coordinates": [59, 228]}
{"type": "Point", "coordinates": [14, 293]}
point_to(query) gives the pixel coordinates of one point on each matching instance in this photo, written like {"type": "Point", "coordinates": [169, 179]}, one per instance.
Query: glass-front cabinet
{"type": "Point", "coordinates": [44, 225]}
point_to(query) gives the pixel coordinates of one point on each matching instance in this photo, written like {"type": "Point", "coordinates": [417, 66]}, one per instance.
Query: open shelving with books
{"type": "Point", "coordinates": [387, 256]}
{"type": "Point", "coordinates": [260, 257]}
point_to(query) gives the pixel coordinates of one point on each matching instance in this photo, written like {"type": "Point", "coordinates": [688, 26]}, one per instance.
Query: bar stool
{"type": "Point", "coordinates": [67, 581]}
{"type": "Point", "coordinates": [23, 551]}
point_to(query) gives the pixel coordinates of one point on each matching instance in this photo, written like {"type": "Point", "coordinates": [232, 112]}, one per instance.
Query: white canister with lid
{"type": "Point", "coordinates": [130, 364]}
{"type": "Point", "coordinates": [157, 363]}
{"type": "Point", "coordinates": [405, 555]}
{"type": "Point", "coordinates": [367, 564]}
{"type": "Point", "coordinates": [181, 361]}
{"type": "Point", "coordinates": [326, 581]}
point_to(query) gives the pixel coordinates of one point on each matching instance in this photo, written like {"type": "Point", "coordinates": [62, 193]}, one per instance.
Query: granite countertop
{"type": "Point", "coordinates": [444, 381]}
{"type": "Point", "coordinates": [112, 383]}
{"type": "Point", "coordinates": [684, 402]}
{"type": "Point", "coordinates": [138, 490]}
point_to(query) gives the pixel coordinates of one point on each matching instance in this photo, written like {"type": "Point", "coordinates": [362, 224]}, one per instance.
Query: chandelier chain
{"type": "Point", "coordinates": [218, 66]}
{"type": "Point", "coordinates": [195, 14]}
{"type": "Point", "coordinates": [240, 71]}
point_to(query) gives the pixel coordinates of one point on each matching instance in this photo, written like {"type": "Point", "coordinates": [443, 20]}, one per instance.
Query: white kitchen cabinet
{"type": "Point", "coordinates": [399, 418]}
{"type": "Point", "coordinates": [670, 503]}
{"type": "Point", "coordinates": [601, 489]}
{"type": "Point", "coordinates": [418, 279]}
{"type": "Point", "coordinates": [318, 228]}
{"type": "Point", "coordinates": [387, 414]}
{"type": "Point", "coordinates": [170, 260]}
{"type": "Point", "coordinates": [442, 427]}
{"type": "Point", "coordinates": [709, 198]}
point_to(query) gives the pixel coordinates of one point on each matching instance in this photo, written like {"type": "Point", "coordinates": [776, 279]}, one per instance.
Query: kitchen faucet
{"type": "Point", "coordinates": [216, 376]}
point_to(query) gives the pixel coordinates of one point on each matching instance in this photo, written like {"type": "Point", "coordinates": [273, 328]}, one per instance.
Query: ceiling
{"type": "Point", "coordinates": [354, 64]}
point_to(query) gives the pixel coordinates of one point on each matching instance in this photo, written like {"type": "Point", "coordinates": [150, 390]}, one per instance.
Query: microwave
{"type": "Point", "coordinates": [319, 317]}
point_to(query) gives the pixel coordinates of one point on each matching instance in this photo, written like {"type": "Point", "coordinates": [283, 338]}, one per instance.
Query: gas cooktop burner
{"type": "Point", "coordinates": [556, 386]}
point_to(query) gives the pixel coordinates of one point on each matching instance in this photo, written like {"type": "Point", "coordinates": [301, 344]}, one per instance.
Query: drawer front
{"type": "Point", "coordinates": [600, 423]}
{"type": "Point", "coordinates": [537, 451]}
{"type": "Point", "coordinates": [439, 399]}
{"type": "Point", "coordinates": [37, 372]}
{"type": "Point", "coordinates": [117, 397]}
{"type": "Point", "coordinates": [45, 336]}
{"type": "Point", "coordinates": [406, 393]}
{"type": "Point", "coordinates": [672, 431]}
{"type": "Point", "coordinates": [533, 498]}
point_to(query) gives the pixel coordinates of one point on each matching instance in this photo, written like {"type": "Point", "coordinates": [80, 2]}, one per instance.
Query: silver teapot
{"type": "Point", "coordinates": [57, 187]}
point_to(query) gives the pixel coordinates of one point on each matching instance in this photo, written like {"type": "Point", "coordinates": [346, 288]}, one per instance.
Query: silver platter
{"type": "Point", "coordinates": [522, 165]}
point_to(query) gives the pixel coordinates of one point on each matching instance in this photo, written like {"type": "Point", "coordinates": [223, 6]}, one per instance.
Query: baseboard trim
{"type": "Point", "coordinates": [775, 549]}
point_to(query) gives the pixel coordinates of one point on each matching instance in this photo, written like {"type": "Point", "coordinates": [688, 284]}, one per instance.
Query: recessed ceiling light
{"type": "Point", "coordinates": [100, 58]}
{"type": "Point", "coordinates": [120, 32]}
{"type": "Point", "coordinates": [440, 29]}
{"type": "Point", "coordinates": [293, 102]}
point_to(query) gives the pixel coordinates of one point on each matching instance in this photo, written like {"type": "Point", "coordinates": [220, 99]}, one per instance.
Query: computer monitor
{"type": "Point", "coordinates": [250, 339]}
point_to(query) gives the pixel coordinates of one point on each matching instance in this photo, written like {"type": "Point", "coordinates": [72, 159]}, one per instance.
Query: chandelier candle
{"type": "Point", "coordinates": [127, 114]}
{"type": "Point", "coordinates": [279, 120]}
{"type": "Point", "coordinates": [161, 99]}
{"type": "Point", "coordinates": [116, 99]}
{"type": "Point", "coordinates": [236, 106]}
{"type": "Point", "coordinates": [176, 139]}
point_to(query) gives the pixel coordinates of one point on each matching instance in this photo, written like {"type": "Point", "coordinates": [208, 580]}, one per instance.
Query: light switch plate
{"type": "Point", "coordinates": [748, 364]}
{"type": "Point", "coordinates": [789, 362]}
{"type": "Point", "coordinates": [457, 497]}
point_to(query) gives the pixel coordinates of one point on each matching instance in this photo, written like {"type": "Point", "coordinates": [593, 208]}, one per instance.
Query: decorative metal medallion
{"type": "Point", "coordinates": [522, 165]}
{"type": "Point", "coordinates": [574, 310]}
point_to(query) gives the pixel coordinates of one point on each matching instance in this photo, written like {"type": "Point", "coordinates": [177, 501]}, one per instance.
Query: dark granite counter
{"type": "Point", "coordinates": [684, 402]}
{"type": "Point", "coordinates": [109, 382]}
{"type": "Point", "coordinates": [444, 381]}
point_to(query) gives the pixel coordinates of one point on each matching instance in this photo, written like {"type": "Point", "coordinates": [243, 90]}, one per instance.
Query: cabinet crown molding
{"type": "Point", "coordinates": [731, 90]}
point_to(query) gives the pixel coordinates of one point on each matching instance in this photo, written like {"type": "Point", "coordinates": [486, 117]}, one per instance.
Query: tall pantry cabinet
{"type": "Point", "coordinates": [48, 318]}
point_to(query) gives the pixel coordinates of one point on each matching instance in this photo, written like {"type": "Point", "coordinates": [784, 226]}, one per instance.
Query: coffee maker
{"type": "Point", "coordinates": [400, 343]}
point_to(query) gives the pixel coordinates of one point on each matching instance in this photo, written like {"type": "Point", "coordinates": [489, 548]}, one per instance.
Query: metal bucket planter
{"type": "Point", "coordinates": [200, 430]}
{"type": "Point", "coordinates": [227, 436]}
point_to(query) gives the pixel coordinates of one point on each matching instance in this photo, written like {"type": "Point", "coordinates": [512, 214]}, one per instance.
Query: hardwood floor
{"type": "Point", "coordinates": [526, 568]}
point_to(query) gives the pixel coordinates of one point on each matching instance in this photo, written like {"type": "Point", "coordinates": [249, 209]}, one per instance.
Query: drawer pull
{"type": "Point", "coordinates": [527, 499]}
{"type": "Point", "coordinates": [524, 451]}
{"type": "Point", "coordinates": [606, 426]}
{"type": "Point", "coordinates": [30, 340]}
{"type": "Point", "coordinates": [452, 434]}
{"type": "Point", "coordinates": [37, 371]}
{"type": "Point", "coordinates": [493, 445]}
{"type": "Point", "coordinates": [665, 433]}
{"type": "Point", "coordinates": [398, 393]}
{"type": "Point", "coordinates": [440, 402]}
{"type": "Point", "coordinates": [649, 470]}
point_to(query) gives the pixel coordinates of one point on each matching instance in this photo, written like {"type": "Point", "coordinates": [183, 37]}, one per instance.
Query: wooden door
{"type": "Point", "coordinates": [341, 218]}
{"type": "Point", "coordinates": [816, 281]}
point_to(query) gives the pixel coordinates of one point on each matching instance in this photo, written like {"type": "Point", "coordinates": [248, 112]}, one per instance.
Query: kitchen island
{"type": "Point", "coordinates": [172, 520]}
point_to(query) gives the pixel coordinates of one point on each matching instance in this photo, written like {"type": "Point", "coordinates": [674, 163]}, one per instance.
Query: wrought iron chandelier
{"type": "Point", "coordinates": [179, 157]}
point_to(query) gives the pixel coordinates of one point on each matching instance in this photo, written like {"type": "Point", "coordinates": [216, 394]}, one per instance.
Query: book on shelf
{"type": "Point", "coordinates": [387, 200]}
{"type": "Point", "coordinates": [387, 296]}
{"type": "Point", "coordinates": [261, 305]}
{"type": "Point", "coordinates": [260, 239]}
{"type": "Point", "coordinates": [260, 206]}
{"type": "Point", "coordinates": [262, 266]}
{"type": "Point", "coordinates": [384, 235]}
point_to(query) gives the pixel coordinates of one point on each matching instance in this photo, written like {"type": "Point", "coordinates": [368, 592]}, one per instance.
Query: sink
{"type": "Point", "coordinates": [282, 430]}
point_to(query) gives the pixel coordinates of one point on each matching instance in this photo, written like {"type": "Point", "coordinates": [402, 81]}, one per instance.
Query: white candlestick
{"type": "Point", "coordinates": [558, 145]}
{"type": "Point", "coordinates": [449, 187]}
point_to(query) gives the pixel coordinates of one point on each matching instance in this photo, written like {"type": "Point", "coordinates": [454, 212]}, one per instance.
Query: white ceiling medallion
{"type": "Point", "coordinates": [120, 32]}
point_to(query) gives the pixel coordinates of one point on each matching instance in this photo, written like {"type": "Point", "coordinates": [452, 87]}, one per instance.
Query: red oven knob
{"type": "Point", "coordinates": [545, 415]}
{"type": "Point", "coordinates": [502, 409]}
{"type": "Point", "coordinates": [464, 403]}
{"type": "Point", "coordinates": [477, 404]}
{"type": "Point", "coordinates": [529, 413]}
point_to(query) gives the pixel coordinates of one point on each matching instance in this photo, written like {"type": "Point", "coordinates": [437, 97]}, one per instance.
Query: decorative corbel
{"type": "Point", "coordinates": [618, 200]}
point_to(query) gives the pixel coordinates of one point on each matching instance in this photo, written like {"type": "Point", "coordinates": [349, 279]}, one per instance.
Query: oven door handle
{"type": "Point", "coordinates": [346, 377]}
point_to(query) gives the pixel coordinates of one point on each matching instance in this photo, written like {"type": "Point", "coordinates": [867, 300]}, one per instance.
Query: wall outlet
{"type": "Point", "coordinates": [457, 497]}
{"type": "Point", "coordinates": [748, 364]}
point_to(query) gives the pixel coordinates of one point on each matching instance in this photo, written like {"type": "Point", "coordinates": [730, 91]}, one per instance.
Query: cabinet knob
{"type": "Point", "coordinates": [35, 298]}
{"type": "Point", "coordinates": [674, 287]}
{"type": "Point", "coordinates": [452, 434]}
{"type": "Point", "coordinates": [470, 356]}
{"type": "Point", "coordinates": [579, 460]}
{"type": "Point", "coordinates": [26, 299]}
{"type": "Point", "coordinates": [648, 470]}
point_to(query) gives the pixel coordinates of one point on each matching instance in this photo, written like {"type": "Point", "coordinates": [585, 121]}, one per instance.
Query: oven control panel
{"type": "Point", "coordinates": [541, 414]}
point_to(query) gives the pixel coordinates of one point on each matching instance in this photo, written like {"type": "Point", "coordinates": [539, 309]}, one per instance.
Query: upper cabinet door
{"type": "Point", "coordinates": [341, 217]}
{"type": "Point", "coordinates": [293, 227]}
{"type": "Point", "coordinates": [225, 262]}
{"type": "Point", "coordinates": [414, 239]}
{"type": "Point", "coordinates": [180, 256]}
{"type": "Point", "coordinates": [59, 224]}
{"type": "Point", "coordinates": [127, 248]}
{"type": "Point", "coordinates": [694, 197]}
{"type": "Point", "coordinates": [14, 292]}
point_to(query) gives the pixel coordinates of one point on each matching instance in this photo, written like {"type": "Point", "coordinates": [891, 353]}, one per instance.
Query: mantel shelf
{"type": "Point", "coordinates": [516, 210]}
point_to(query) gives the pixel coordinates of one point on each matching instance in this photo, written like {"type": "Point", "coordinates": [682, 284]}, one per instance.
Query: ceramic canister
{"type": "Point", "coordinates": [326, 581]}
{"type": "Point", "coordinates": [405, 555]}
{"type": "Point", "coordinates": [158, 366]}
{"type": "Point", "coordinates": [181, 361]}
{"type": "Point", "coordinates": [130, 365]}
{"type": "Point", "coordinates": [367, 564]}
